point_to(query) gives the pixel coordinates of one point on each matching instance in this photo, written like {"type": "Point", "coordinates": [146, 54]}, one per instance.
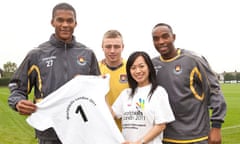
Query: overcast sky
{"type": "Point", "coordinates": [208, 27]}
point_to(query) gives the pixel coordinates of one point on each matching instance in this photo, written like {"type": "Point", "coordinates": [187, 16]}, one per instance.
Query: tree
{"type": "Point", "coordinates": [228, 77]}
{"type": "Point", "coordinates": [9, 69]}
{"type": "Point", "coordinates": [238, 77]}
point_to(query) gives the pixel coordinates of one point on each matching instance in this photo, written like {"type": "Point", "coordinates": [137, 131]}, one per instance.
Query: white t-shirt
{"type": "Point", "coordinates": [139, 114]}
{"type": "Point", "coordinates": [78, 112]}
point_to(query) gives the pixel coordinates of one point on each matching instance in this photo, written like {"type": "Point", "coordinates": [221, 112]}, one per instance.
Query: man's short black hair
{"type": "Point", "coordinates": [163, 24]}
{"type": "Point", "coordinates": [63, 6]}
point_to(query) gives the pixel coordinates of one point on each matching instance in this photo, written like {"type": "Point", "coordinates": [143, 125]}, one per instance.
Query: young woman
{"type": "Point", "coordinates": [143, 107]}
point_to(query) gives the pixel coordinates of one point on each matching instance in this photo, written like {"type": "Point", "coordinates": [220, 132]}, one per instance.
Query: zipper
{"type": "Point", "coordinates": [65, 64]}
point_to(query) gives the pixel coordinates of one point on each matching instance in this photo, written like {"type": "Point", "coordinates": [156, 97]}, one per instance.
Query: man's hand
{"type": "Point", "coordinates": [215, 136]}
{"type": "Point", "coordinates": [25, 107]}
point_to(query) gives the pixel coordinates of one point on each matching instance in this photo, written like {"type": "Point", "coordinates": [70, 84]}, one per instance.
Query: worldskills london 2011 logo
{"type": "Point", "coordinates": [140, 104]}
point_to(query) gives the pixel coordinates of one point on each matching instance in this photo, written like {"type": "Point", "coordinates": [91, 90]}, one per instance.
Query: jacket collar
{"type": "Point", "coordinates": [61, 44]}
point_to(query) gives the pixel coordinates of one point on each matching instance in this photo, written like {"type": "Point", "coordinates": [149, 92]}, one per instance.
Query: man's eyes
{"type": "Point", "coordinates": [155, 38]}
{"type": "Point", "coordinates": [114, 46]}
{"type": "Point", "coordinates": [164, 36]}
{"type": "Point", "coordinates": [60, 20]}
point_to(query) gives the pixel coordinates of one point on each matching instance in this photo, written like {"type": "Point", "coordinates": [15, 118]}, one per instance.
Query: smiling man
{"type": "Point", "coordinates": [193, 91]}
{"type": "Point", "coordinates": [50, 66]}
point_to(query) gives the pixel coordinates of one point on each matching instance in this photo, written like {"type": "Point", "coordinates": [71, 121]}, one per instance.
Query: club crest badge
{"type": "Point", "coordinates": [123, 78]}
{"type": "Point", "coordinates": [81, 61]}
{"type": "Point", "coordinates": [178, 69]}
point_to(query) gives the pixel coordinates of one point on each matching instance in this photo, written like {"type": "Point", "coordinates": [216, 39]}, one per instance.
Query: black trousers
{"type": "Point", "coordinates": [40, 141]}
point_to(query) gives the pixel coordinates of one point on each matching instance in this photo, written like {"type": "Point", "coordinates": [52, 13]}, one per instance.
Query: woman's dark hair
{"type": "Point", "coordinates": [152, 74]}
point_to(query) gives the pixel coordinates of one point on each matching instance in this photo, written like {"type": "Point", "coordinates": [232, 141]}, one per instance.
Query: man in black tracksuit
{"type": "Point", "coordinates": [51, 65]}
{"type": "Point", "coordinates": [194, 92]}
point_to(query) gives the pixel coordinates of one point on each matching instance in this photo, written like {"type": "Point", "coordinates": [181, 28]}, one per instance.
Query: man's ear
{"type": "Point", "coordinates": [174, 36]}
{"type": "Point", "coordinates": [76, 23]}
{"type": "Point", "coordinates": [52, 23]}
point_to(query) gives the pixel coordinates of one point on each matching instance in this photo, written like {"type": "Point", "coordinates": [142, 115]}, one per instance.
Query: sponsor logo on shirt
{"type": "Point", "coordinates": [157, 68]}
{"type": "Point", "coordinates": [49, 60]}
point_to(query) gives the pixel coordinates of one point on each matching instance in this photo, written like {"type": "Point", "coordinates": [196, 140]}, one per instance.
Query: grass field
{"type": "Point", "coordinates": [15, 130]}
{"type": "Point", "coordinates": [231, 127]}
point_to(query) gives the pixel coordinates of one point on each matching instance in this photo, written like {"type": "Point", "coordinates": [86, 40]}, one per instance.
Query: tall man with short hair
{"type": "Point", "coordinates": [50, 66]}
{"type": "Point", "coordinates": [193, 89]}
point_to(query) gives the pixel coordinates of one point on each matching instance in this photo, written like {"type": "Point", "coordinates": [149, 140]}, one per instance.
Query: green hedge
{"type": "Point", "coordinates": [4, 81]}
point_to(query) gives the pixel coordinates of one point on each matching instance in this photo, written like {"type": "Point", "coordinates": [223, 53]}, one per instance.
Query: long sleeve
{"type": "Point", "coordinates": [20, 84]}
{"type": "Point", "coordinates": [216, 100]}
